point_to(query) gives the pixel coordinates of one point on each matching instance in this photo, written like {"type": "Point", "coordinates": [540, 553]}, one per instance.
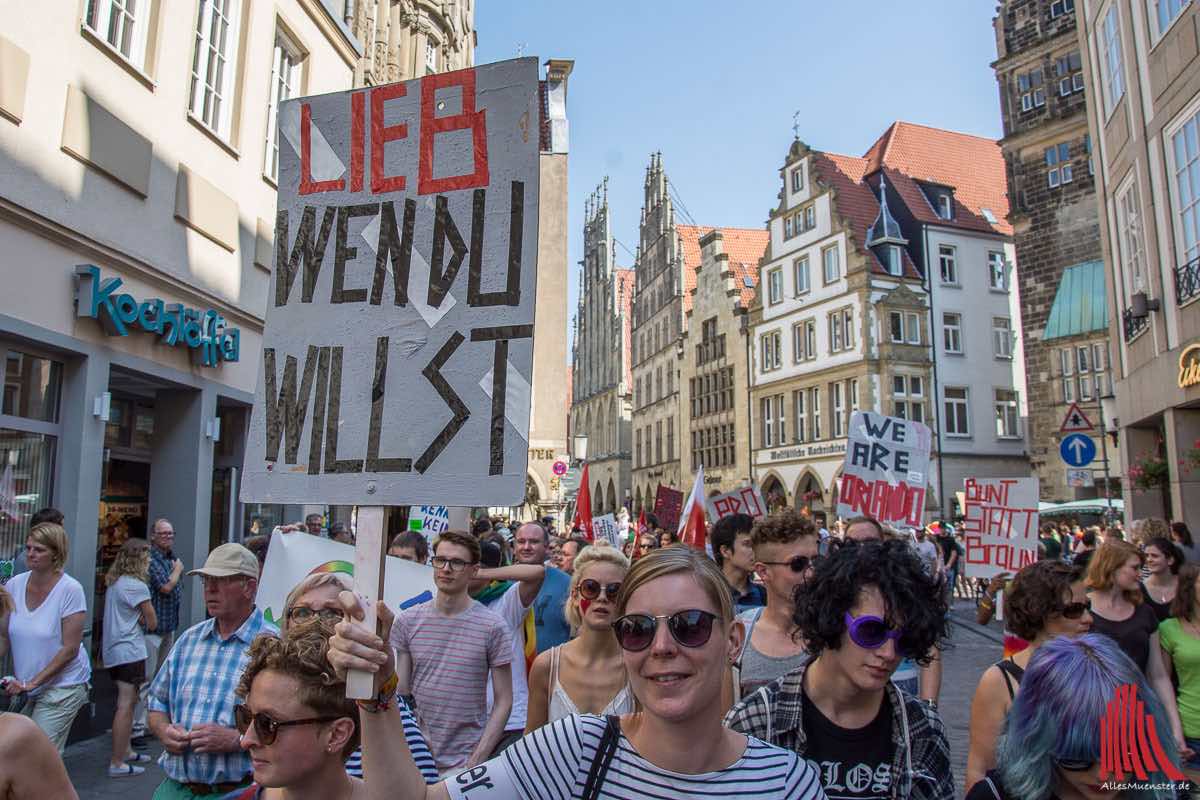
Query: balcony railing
{"type": "Point", "coordinates": [1187, 281]}
{"type": "Point", "coordinates": [1133, 324]}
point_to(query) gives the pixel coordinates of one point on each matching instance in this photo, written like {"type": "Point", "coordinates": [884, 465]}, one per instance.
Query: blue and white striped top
{"type": "Point", "coordinates": [416, 745]}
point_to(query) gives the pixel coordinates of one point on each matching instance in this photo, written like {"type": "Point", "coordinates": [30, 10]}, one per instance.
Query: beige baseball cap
{"type": "Point", "coordinates": [229, 559]}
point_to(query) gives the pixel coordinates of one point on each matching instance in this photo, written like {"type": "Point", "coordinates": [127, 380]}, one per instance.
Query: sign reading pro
{"type": "Point", "coordinates": [398, 349]}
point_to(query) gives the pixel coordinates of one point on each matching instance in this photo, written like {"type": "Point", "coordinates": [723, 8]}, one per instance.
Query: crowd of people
{"type": "Point", "coordinates": [786, 661]}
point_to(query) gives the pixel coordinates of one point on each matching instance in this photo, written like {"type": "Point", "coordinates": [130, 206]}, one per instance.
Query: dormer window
{"type": "Point", "coordinates": [945, 206]}
{"type": "Point", "coordinates": [798, 178]}
{"type": "Point", "coordinates": [892, 260]}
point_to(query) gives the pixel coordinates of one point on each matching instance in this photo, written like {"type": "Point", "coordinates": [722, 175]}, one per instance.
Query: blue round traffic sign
{"type": "Point", "coordinates": [1077, 450]}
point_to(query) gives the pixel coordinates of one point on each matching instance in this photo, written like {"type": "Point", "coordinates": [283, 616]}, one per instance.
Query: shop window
{"type": "Point", "coordinates": [32, 386]}
{"type": "Point", "coordinates": [26, 468]}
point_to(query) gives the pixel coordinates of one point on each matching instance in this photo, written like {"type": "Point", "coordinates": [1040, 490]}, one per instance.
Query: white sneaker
{"type": "Point", "coordinates": [125, 771]}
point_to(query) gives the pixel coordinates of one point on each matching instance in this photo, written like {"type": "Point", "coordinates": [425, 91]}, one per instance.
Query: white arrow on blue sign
{"type": "Point", "coordinates": [1077, 450]}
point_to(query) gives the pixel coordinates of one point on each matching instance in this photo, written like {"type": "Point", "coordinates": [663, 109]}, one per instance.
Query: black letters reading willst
{"type": "Point", "coordinates": [287, 404]}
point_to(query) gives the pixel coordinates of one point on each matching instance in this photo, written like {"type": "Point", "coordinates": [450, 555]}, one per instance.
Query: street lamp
{"type": "Point", "coordinates": [1110, 400]}
{"type": "Point", "coordinates": [580, 447]}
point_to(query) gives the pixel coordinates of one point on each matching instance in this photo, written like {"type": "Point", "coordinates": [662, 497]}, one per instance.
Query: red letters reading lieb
{"type": "Point", "coordinates": [431, 125]}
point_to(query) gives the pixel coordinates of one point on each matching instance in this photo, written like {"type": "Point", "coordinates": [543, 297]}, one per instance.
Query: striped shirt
{"type": "Point", "coordinates": [416, 746]}
{"type": "Point", "coordinates": [451, 660]}
{"type": "Point", "coordinates": [554, 761]}
{"type": "Point", "coordinates": [196, 685]}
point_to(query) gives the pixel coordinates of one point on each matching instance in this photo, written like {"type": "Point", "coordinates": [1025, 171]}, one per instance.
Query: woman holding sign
{"type": "Point", "coordinates": [675, 625]}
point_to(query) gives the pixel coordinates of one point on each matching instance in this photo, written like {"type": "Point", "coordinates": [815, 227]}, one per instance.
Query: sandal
{"type": "Point", "coordinates": [138, 758]}
{"type": "Point", "coordinates": [124, 771]}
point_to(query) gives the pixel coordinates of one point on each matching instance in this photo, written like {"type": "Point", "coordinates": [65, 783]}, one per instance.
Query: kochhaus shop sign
{"type": "Point", "coordinates": [204, 333]}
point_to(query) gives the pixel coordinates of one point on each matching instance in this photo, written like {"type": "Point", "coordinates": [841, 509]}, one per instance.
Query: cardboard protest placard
{"type": "Point", "coordinates": [668, 503]}
{"type": "Point", "coordinates": [292, 557]}
{"type": "Point", "coordinates": [886, 469]}
{"type": "Point", "coordinates": [746, 500]}
{"type": "Point", "coordinates": [435, 520]}
{"type": "Point", "coordinates": [398, 345]}
{"type": "Point", "coordinates": [1000, 525]}
{"type": "Point", "coordinates": [604, 528]}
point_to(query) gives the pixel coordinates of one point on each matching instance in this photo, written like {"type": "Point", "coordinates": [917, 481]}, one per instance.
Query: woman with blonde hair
{"type": "Point", "coordinates": [45, 631]}
{"type": "Point", "coordinates": [676, 628]}
{"type": "Point", "coordinates": [1114, 580]}
{"type": "Point", "coordinates": [127, 608]}
{"type": "Point", "coordinates": [585, 675]}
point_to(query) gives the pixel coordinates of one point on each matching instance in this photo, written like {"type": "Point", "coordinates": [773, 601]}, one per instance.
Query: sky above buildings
{"type": "Point", "coordinates": [715, 85]}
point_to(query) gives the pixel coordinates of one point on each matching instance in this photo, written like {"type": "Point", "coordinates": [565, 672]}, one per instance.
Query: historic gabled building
{"type": "Point", "coordinates": [715, 363]}
{"type": "Point", "coordinates": [1056, 230]}
{"type": "Point", "coordinates": [406, 39]}
{"type": "Point", "coordinates": [602, 378]}
{"type": "Point", "coordinates": [658, 297]}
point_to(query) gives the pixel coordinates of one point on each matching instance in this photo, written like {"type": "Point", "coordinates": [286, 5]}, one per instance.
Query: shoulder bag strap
{"type": "Point", "coordinates": [992, 786]}
{"type": "Point", "coordinates": [603, 757]}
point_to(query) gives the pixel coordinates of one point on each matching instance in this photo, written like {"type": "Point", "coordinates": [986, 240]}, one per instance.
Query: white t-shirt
{"type": "Point", "coordinates": [124, 642]}
{"type": "Point", "coordinates": [553, 762]}
{"type": "Point", "coordinates": [509, 608]}
{"type": "Point", "coordinates": [36, 636]}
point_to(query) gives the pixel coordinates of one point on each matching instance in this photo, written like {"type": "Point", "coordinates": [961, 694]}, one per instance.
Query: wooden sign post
{"type": "Point", "coordinates": [397, 350]}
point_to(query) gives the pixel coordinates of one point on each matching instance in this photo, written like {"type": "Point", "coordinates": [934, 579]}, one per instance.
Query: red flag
{"type": "Point", "coordinates": [583, 506]}
{"type": "Point", "coordinates": [691, 521]}
{"type": "Point", "coordinates": [641, 523]}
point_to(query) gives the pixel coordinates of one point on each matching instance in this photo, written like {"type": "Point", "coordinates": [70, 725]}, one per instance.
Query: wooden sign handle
{"type": "Point", "coordinates": [370, 552]}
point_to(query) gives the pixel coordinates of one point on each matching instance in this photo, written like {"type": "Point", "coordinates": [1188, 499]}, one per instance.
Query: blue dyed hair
{"type": "Point", "coordinates": [1057, 712]}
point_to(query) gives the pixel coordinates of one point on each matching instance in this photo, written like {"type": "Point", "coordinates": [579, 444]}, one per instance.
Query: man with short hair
{"type": "Point", "coordinates": [314, 523]}
{"type": "Point", "coordinates": [166, 594]}
{"type": "Point", "coordinates": [340, 532]}
{"type": "Point", "coordinates": [530, 546]}
{"type": "Point", "coordinates": [409, 546]}
{"type": "Point", "coordinates": [445, 652]}
{"type": "Point", "coordinates": [785, 550]}
{"type": "Point", "coordinates": [860, 611]}
{"type": "Point", "coordinates": [735, 556]}
{"type": "Point", "coordinates": [192, 698]}
{"type": "Point", "coordinates": [571, 549]}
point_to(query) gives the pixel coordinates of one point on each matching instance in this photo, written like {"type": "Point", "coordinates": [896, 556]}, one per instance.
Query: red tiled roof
{"type": "Point", "coordinates": [972, 165]}
{"type": "Point", "coordinates": [855, 202]}
{"type": "Point", "coordinates": [746, 276]}
{"type": "Point", "coordinates": [624, 287]}
{"type": "Point", "coordinates": [742, 245]}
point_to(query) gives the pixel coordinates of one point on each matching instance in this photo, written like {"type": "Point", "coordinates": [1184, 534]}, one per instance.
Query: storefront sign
{"type": "Point", "coordinates": [203, 332]}
{"type": "Point", "coordinates": [1189, 366]}
{"type": "Point", "coordinates": [541, 454]}
{"type": "Point", "coordinates": [834, 448]}
{"type": "Point", "coordinates": [398, 347]}
{"type": "Point", "coordinates": [1000, 525]}
{"type": "Point", "coordinates": [886, 469]}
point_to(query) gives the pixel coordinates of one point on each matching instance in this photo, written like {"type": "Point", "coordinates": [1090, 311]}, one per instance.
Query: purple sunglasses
{"type": "Point", "coordinates": [870, 632]}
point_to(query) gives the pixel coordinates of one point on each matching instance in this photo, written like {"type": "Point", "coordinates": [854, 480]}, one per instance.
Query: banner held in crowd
{"type": "Point", "coordinates": [886, 470]}
{"type": "Point", "coordinates": [667, 504]}
{"type": "Point", "coordinates": [692, 525]}
{"type": "Point", "coordinates": [1000, 525]}
{"type": "Point", "coordinates": [583, 506]}
{"type": "Point", "coordinates": [604, 529]}
{"type": "Point", "coordinates": [746, 500]}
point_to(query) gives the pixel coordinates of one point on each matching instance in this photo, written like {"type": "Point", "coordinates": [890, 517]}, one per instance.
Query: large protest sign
{"type": "Point", "coordinates": [398, 346]}
{"type": "Point", "coordinates": [604, 528]}
{"type": "Point", "coordinates": [746, 500]}
{"type": "Point", "coordinates": [435, 520]}
{"type": "Point", "coordinates": [293, 556]}
{"type": "Point", "coordinates": [1000, 525]}
{"type": "Point", "coordinates": [668, 503]}
{"type": "Point", "coordinates": [886, 469]}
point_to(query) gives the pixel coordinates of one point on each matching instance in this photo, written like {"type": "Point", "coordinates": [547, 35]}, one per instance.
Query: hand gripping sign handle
{"type": "Point", "coordinates": [370, 552]}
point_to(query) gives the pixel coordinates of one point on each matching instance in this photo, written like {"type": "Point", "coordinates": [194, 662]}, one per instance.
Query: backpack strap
{"type": "Point", "coordinates": [603, 757]}
{"type": "Point", "coordinates": [1012, 676]}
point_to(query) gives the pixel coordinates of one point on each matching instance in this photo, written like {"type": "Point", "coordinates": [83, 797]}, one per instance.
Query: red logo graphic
{"type": "Point", "coordinates": [1129, 740]}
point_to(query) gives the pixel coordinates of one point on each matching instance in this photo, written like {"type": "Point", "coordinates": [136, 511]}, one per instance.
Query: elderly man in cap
{"type": "Point", "coordinates": [192, 697]}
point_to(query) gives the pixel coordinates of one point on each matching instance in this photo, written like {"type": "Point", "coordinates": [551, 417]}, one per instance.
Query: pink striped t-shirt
{"type": "Point", "coordinates": [451, 659]}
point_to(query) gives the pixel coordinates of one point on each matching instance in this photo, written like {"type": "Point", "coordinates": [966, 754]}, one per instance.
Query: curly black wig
{"type": "Point", "coordinates": [914, 599]}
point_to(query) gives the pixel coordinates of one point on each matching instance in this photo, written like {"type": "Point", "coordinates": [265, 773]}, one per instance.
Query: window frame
{"type": "Point", "coordinates": [957, 330]}
{"type": "Point", "coordinates": [800, 265]}
{"type": "Point", "coordinates": [798, 179]}
{"type": "Point", "coordinates": [285, 49]}
{"type": "Point", "coordinates": [814, 413]}
{"type": "Point", "coordinates": [1176, 134]}
{"type": "Point", "coordinates": [948, 264]}
{"type": "Point", "coordinates": [961, 404]}
{"type": "Point", "coordinates": [997, 258]}
{"type": "Point", "coordinates": [837, 406]}
{"type": "Point", "coordinates": [1004, 352]}
{"type": "Point", "coordinates": [1112, 77]}
{"type": "Point", "coordinates": [99, 21]}
{"type": "Point", "coordinates": [198, 88]}
{"type": "Point", "coordinates": [1157, 30]}
{"type": "Point", "coordinates": [1008, 404]}
{"type": "Point", "coordinates": [825, 261]}
{"type": "Point", "coordinates": [800, 409]}
{"type": "Point", "coordinates": [775, 286]}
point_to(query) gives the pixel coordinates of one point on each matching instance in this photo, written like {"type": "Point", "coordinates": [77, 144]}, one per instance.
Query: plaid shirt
{"type": "Point", "coordinates": [166, 606]}
{"type": "Point", "coordinates": [195, 685]}
{"type": "Point", "coordinates": [920, 752]}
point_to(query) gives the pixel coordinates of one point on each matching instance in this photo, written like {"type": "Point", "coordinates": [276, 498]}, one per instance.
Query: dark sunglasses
{"type": "Point", "coordinates": [304, 613]}
{"type": "Point", "coordinates": [265, 728]}
{"type": "Point", "coordinates": [691, 628]}
{"type": "Point", "coordinates": [870, 632]}
{"type": "Point", "coordinates": [590, 589]}
{"type": "Point", "coordinates": [1074, 765]}
{"type": "Point", "coordinates": [1075, 610]}
{"type": "Point", "coordinates": [797, 563]}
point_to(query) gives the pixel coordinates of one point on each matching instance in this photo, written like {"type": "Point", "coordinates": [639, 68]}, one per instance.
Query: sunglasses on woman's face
{"type": "Point", "coordinates": [590, 589]}
{"type": "Point", "coordinates": [871, 632]}
{"type": "Point", "coordinates": [266, 728]}
{"type": "Point", "coordinates": [1075, 610]}
{"type": "Point", "coordinates": [1074, 765]}
{"type": "Point", "coordinates": [797, 563]}
{"type": "Point", "coordinates": [691, 628]}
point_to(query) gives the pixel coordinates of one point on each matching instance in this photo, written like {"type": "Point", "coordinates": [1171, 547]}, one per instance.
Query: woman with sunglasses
{"type": "Point", "coordinates": [862, 609]}
{"type": "Point", "coordinates": [675, 625]}
{"type": "Point", "coordinates": [1052, 740]}
{"type": "Point", "coordinates": [586, 675]}
{"type": "Point", "coordinates": [1046, 599]}
{"type": "Point", "coordinates": [295, 720]}
{"type": "Point", "coordinates": [313, 605]}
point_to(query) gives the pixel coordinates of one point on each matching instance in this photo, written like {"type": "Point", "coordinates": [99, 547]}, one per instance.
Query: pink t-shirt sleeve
{"type": "Point", "coordinates": [400, 632]}
{"type": "Point", "coordinates": [500, 646]}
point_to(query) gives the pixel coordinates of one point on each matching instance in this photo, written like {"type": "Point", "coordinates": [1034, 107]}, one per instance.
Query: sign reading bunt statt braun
{"type": "Point", "coordinates": [398, 347]}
